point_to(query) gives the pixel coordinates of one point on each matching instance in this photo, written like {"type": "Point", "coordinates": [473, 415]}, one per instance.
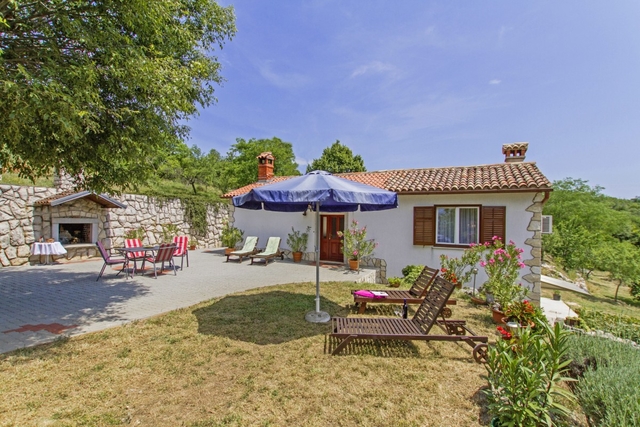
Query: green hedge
{"type": "Point", "coordinates": [609, 380]}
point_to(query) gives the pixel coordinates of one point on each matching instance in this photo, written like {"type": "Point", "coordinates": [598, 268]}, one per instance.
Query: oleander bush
{"type": "Point", "coordinates": [525, 373]}
{"type": "Point", "coordinates": [608, 373]}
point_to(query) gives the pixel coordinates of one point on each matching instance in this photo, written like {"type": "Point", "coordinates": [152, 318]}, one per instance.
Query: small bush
{"type": "Point", "coordinates": [395, 281]}
{"type": "Point", "coordinates": [411, 273]}
{"type": "Point", "coordinates": [608, 377]}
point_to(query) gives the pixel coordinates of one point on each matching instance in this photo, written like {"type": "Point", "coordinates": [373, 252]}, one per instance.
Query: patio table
{"type": "Point", "coordinates": [127, 251]}
{"type": "Point", "coordinates": [47, 249]}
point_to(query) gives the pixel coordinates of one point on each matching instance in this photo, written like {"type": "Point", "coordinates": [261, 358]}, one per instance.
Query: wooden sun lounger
{"type": "Point", "coordinates": [271, 251]}
{"type": "Point", "coordinates": [348, 329]}
{"type": "Point", "coordinates": [415, 295]}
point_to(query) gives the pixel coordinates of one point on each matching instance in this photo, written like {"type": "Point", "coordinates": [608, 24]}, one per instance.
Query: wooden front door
{"type": "Point", "coordinates": [330, 243]}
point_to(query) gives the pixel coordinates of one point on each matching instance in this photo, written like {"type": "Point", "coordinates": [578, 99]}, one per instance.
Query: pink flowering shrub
{"type": "Point", "coordinates": [355, 244]}
{"type": "Point", "coordinates": [502, 263]}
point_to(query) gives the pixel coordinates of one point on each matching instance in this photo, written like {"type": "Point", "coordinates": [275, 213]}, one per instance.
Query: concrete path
{"type": "Point", "coordinates": [553, 283]}
{"type": "Point", "coordinates": [39, 303]}
{"type": "Point", "coordinates": [556, 310]}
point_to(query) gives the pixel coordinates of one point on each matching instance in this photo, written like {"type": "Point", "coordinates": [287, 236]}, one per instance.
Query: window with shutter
{"type": "Point", "coordinates": [424, 225]}
{"type": "Point", "coordinates": [492, 223]}
{"type": "Point", "coordinates": [456, 225]}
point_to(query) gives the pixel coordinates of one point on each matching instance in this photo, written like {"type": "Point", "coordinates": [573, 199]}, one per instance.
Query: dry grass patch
{"type": "Point", "coordinates": [248, 359]}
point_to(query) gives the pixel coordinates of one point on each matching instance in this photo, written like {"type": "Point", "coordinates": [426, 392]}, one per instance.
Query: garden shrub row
{"type": "Point", "coordinates": [608, 373]}
{"type": "Point", "coordinates": [621, 326]}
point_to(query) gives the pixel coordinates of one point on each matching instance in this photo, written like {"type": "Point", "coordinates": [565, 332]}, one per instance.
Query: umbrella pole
{"type": "Point", "coordinates": [317, 257]}
{"type": "Point", "coordinates": [317, 316]}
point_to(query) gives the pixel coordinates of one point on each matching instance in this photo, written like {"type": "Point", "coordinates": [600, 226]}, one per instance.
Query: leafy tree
{"type": "Point", "coordinates": [241, 165]}
{"type": "Point", "coordinates": [100, 88]}
{"type": "Point", "coordinates": [622, 261]}
{"type": "Point", "coordinates": [594, 231]}
{"type": "Point", "coordinates": [190, 166]}
{"type": "Point", "coordinates": [573, 245]}
{"type": "Point", "coordinates": [574, 200]}
{"type": "Point", "coordinates": [337, 159]}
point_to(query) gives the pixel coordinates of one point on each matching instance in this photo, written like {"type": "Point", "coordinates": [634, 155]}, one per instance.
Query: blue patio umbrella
{"type": "Point", "coordinates": [324, 192]}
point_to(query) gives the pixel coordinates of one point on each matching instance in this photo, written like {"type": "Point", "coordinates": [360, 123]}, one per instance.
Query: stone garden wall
{"type": "Point", "coordinates": [151, 214]}
{"type": "Point", "coordinates": [17, 221]}
{"type": "Point", "coordinates": [22, 222]}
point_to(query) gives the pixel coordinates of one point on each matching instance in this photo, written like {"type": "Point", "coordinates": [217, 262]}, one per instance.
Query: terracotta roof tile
{"type": "Point", "coordinates": [515, 176]}
{"type": "Point", "coordinates": [47, 200]}
{"type": "Point", "coordinates": [71, 195]}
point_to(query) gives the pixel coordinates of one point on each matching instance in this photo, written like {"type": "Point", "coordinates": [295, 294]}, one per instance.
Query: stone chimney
{"type": "Point", "coordinates": [265, 166]}
{"type": "Point", "coordinates": [62, 181]}
{"type": "Point", "coordinates": [515, 152]}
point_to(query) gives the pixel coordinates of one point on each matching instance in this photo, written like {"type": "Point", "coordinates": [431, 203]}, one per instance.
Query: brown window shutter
{"type": "Point", "coordinates": [424, 225]}
{"type": "Point", "coordinates": [492, 223]}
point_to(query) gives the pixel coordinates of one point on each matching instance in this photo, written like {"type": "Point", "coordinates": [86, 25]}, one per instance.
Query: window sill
{"type": "Point", "coordinates": [452, 245]}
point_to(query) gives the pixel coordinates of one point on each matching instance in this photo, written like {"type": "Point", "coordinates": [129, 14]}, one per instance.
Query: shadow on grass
{"type": "Point", "coordinates": [480, 400]}
{"type": "Point", "coordinates": [369, 347]}
{"type": "Point", "coordinates": [265, 318]}
{"type": "Point", "coordinates": [610, 302]}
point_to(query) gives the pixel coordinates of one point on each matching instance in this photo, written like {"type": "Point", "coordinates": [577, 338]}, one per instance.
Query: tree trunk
{"type": "Point", "coordinates": [617, 288]}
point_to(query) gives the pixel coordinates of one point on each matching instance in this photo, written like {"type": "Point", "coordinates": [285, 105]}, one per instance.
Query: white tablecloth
{"type": "Point", "coordinates": [55, 248]}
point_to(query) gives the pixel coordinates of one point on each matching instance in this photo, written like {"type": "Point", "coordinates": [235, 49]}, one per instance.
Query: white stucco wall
{"type": "Point", "coordinates": [393, 229]}
{"type": "Point", "coordinates": [265, 224]}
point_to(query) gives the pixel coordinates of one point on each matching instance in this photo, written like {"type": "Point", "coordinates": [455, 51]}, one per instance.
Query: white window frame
{"type": "Point", "coordinates": [547, 224]}
{"type": "Point", "coordinates": [456, 224]}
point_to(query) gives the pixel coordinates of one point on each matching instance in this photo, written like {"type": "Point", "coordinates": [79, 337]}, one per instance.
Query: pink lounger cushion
{"type": "Point", "coordinates": [368, 294]}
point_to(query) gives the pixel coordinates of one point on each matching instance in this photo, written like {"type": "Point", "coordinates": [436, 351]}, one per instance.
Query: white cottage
{"type": "Point", "coordinates": [441, 211]}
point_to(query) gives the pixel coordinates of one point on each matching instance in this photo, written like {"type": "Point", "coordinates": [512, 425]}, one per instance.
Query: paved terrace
{"type": "Point", "coordinates": [41, 302]}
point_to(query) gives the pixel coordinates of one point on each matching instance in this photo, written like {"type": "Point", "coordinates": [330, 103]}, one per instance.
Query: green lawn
{"type": "Point", "coordinates": [248, 359]}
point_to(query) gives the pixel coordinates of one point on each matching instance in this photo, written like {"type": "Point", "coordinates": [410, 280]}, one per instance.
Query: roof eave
{"type": "Point", "coordinates": [100, 199]}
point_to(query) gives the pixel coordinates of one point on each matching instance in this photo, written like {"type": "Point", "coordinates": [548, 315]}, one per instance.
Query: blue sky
{"type": "Point", "coordinates": [412, 84]}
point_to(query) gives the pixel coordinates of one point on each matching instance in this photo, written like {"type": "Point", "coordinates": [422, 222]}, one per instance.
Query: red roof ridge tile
{"type": "Point", "coordinates": [514, 176]}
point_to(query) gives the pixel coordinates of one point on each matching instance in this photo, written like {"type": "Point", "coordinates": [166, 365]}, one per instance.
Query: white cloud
{"type": "Point", "coordinates": [495, 82]}
{"type": "Point", "coordinates": [301, 162]}
{"type": "Point", "coordinates": [282, 80]}
{"type": "Point", "coordinates": [503, 31]}
{"type": "Point", "coordinates": [374, 67]}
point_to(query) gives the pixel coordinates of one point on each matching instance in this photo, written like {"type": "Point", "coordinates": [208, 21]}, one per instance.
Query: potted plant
{"type": "Point", "coordinates": [168, 231]}
{"type": "Point", "coordinates": [135, 233]}
{"type": "Point", "coordinates": [556, 295]}
{"type": "Point", "coordinates": [230, 237]}
{"type": "Point", "coordinates": [192, 244]}
{"type": "Point", "coordinates": [522, 313]}
{"type": "Point", "coordinates": [355, 245]}
{"type": "Point", "coordinates": [297, 242]}
{"type": "Point", "coordinates": [394, 282]}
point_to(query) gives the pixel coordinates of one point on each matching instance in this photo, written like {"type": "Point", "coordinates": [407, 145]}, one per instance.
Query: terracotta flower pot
{"type": "Point", "coordinates": [354, 264]}
{"type": "Point", "coordinates": [227, 251]}
{"type": "Point", "coordinates": [478, 301]}
{"type": "Point", "coordinates": [497, 317]}
{"type": "Point", "coordinates": [297, 256]}
{"type": "Point", "coordinates": [529, 323]}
